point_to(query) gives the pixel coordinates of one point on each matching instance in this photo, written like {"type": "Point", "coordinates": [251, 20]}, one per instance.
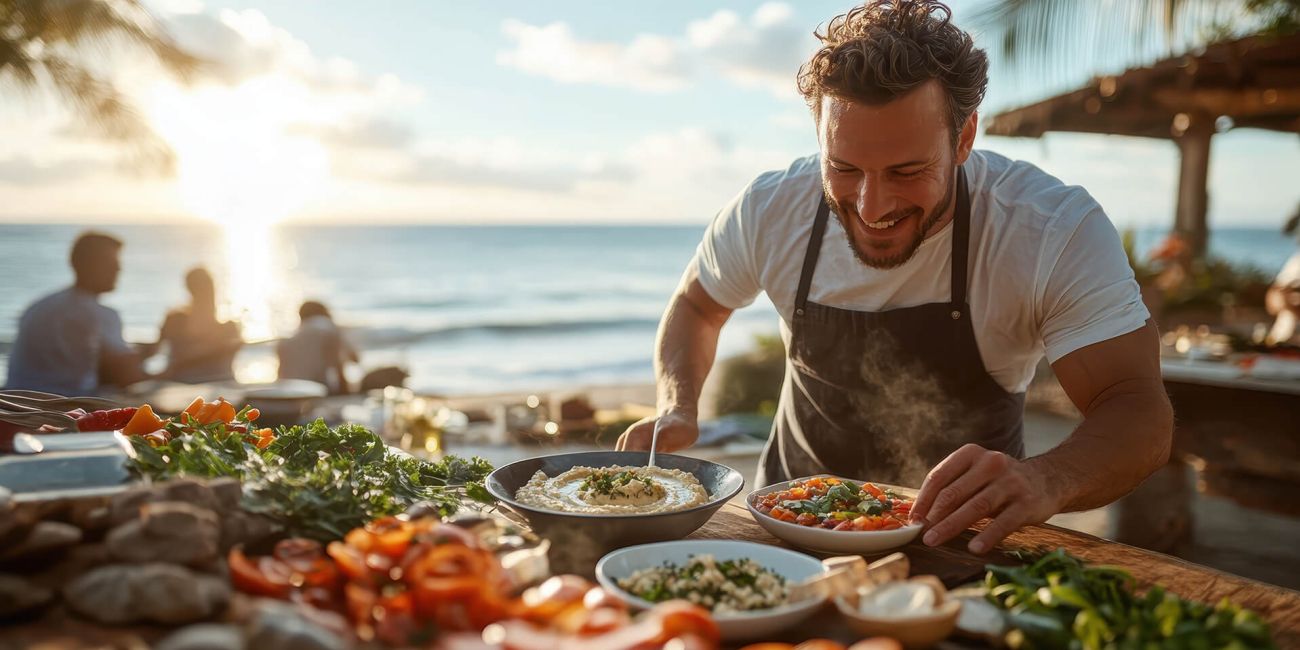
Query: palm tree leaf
{"type": "Point", "coordinates": [15, 63]}
{"type": "Point", "coordinates": [100, 24]}
{"type": "Point", "coordinates": [109, 113]}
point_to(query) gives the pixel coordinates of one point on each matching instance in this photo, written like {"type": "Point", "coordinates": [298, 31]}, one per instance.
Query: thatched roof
{"type": "Point", "coordinates": [1254, 81]}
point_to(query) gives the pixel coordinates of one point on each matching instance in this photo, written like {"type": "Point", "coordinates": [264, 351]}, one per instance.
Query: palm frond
{"type": "Point", "coordinates": [1048, 38]}
{"type": "Point", "coordinates": [101, 24]}
{"type": "Point", "coordinates": [109, 114]}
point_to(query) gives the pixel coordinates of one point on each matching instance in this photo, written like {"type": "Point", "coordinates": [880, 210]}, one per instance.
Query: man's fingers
{"type": "Point", "coordinates": [984, 470]}
{"type": "Point", "coordinates": [984, 503]}
{"type": "Point", "coordinates": [1009, 521]}
{"type": "Point", "coordinates": [944, 473]}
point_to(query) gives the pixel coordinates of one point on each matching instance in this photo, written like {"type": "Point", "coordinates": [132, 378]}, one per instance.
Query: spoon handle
{"type": "Point", "coordinates": [654, 443]}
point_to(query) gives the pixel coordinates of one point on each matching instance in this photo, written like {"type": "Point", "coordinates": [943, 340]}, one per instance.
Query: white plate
{"type": "Point", "coordinates": [791, 565]}
{"type": "Point", "coordinates": [823, 539]}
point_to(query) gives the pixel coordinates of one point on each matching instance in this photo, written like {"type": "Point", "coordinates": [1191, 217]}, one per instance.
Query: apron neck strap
{"type": "Point", "coordinates": [960, 247]}
{"type": "Point", "coordinates": [810, 257]}
{"type": "Point", "coordinates": [960, 242]}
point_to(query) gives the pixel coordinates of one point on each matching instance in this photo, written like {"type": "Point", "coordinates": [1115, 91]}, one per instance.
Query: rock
{"type": "Point", "coordinates": [20, 597]}
{"type": "Point", "coordinates": [240, 527]}
{"type": "Point", "coordinates": [77, 561]}
{"type": "Point", "coordinates": [92, 519]}
{"type": "Point", "coordinates": [168, 531]}
{"type": "Point", "coordinates": [189, 491]}
{"type": "Point", "coordinates": [228, 492]}
{"type": "Point", "coordinates": [46, 538]}
{"type": "Point", "coordinates": [160, 593]}
{"type": "Point", "coordinates": [281, 626]}
{"type": "Point", "coordinates": [125, 506]}
{"type": "Point", "coordinates": [206, 636]}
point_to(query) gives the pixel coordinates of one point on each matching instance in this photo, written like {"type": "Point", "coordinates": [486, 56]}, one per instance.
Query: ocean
{"type": "Point", "coordinates": [466, 309]}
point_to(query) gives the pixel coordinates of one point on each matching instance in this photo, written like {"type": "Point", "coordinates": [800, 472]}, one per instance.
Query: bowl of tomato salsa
{"type": "Point", "coordinates": [832, 514]}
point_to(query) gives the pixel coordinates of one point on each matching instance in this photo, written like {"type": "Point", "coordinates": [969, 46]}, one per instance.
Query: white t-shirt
{"type": "Point", "coordinates": [1048, 274]}
{"type": "Point", "coordinates": [1284, 326]}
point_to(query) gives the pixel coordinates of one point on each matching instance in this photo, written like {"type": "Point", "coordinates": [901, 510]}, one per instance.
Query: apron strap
{"type": "Point", "coordinates": [810, 257]}
{"type": "Point", "coordinates": [960, 245]}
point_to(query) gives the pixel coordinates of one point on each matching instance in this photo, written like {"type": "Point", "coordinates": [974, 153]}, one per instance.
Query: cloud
{"type": "Point", "coordinates": [763, 51]}
{"type": "Point", "coordinates": [23, 170]}
{"type": "Point", "coordinates": [648, 63]}
{"type": "Point", "coordinates": [367, 132]}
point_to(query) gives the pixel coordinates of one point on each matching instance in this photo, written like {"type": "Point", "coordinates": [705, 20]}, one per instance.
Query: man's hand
{"type": "Point", "coordinates": [974, 483]}
{"type": "Point", "coordinates": [678, 430]}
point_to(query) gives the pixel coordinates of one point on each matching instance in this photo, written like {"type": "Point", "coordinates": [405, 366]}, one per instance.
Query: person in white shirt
{"type": "Point", "coordinates": [67, 342]}
{"type": "Point", "coordinates": [919, 283]}
{"type": "Point", "coordinates": [317, 351]}
{"type": "Point", "coordinates": [1283, 298]}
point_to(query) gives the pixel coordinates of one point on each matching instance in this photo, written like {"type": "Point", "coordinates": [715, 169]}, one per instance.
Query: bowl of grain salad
{"type": "Point", "coordinates": [745, 585]}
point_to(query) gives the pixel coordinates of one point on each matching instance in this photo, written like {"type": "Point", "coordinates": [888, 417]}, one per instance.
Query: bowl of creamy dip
{"type": "Point", "coordinates": [589, 503]}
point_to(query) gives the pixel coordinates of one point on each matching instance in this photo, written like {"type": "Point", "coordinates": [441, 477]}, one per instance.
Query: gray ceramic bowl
{"type": "Point", "coordinates": [586, 537]}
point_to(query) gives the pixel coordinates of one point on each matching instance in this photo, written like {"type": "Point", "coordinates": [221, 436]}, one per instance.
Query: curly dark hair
{"type": "Point", "coordinates": [885, 48]}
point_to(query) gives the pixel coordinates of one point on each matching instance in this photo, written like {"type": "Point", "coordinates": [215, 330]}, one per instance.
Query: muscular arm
{"type": "Point", "coordinates": [684, 352]}
{"type": "Point", "coordinates": [1127, 424]}
{"type": "Point", "coordinates": [1125, 435]}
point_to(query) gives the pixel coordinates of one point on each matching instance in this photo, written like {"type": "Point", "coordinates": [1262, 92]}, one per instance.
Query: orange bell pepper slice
{"type": "Point", "coordinates": [144, 421]}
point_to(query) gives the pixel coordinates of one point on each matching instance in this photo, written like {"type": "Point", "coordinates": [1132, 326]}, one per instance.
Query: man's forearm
{"type": "Point", "coordinates": [685, 349]}
{"type": "Point", "coordinates": [1124, 437]}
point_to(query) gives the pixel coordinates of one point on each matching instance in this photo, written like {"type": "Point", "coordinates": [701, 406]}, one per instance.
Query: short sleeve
{"type": "Point", "coordinates": [725, 258]}
{"type": "Point", "coordinates": [110, 332]}
{"type": "Point", "coordinates": [1290, 273]}
{"type": "Point", "coordinates": [1089, 294]}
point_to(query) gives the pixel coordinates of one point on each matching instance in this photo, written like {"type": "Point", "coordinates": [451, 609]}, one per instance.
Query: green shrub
{"type": "Point", "coordinates": [751, 382]}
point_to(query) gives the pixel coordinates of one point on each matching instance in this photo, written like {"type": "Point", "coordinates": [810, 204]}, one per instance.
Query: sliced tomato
{"type": "Point", "coordinates": [252, 578]}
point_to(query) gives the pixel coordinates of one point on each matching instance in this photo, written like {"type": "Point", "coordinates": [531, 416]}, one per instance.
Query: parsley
{"type": "Point", "coordinates": [317, 481]}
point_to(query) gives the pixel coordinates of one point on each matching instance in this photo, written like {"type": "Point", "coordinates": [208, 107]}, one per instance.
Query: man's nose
{"type": "Point", "coordinates": [875, 200]}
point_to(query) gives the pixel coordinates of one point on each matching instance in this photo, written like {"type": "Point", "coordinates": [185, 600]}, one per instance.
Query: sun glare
{"type": "Point", "coordinates": [241, 166]}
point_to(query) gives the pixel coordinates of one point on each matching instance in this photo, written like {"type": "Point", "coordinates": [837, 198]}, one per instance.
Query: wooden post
{"type": "Point", "coordinates": [1192, 133]}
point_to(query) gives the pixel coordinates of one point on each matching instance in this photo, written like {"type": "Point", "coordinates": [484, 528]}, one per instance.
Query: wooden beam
{"type": "Point", "coordinates": [1195, 130]}
{"type": "Point", "coordinates": [1247, 102]}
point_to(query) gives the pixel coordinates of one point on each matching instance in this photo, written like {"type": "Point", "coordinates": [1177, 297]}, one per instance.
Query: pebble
{"type": "Point", "coordinates": [159, 593]}
{"type": "Point", "coordinates": [19, 596]}
{"type": "Point", "coordinates": [45, 539]}
{"type": "Point", "coordinates": [167, 531]}
{"type": "Point", "coordinates": [204, 636]}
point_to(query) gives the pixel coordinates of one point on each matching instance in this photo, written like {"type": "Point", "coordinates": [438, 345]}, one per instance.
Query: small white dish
{"type": "Point", "coordinates": [824, 540]}
{"type": "Point", "coordinates": [739, 626]}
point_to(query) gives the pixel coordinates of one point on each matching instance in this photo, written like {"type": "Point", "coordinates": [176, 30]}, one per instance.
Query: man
{"type": "Point", "coordinates": [317, 351]}
{"type": "Point", "coordinates": [67, 342]}
{"type": "Point", "coordinates": [914, 317]}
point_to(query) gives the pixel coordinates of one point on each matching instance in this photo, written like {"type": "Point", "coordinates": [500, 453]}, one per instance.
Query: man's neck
{"type": "Point", "coordinates": [93, 293]}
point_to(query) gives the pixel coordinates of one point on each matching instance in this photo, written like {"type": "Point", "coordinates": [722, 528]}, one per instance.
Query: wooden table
{"type": "Point", "coordinates": [955, 566]}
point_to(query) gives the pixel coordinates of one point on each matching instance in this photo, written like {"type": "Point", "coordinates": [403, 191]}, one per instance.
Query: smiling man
{"type": "Point", "coordinates": [919, 283]}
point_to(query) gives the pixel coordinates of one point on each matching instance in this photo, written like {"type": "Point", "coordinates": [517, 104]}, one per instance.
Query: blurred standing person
{"type": "Point", "coordinates": [317, 351]}
{"type": "Point", "coordinates": [1283, 298]}
{"type": "Point", "coordinates": [200, 348]}
{"type": "Point", "coordinates": [70, 344]}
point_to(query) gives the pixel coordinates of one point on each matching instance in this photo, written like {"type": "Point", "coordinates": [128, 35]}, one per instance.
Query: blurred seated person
{"type": "Point", "coordinates": [200, 348]}
{"type": "Point", "coordinates": [1283, 298]}
{"type": "Point", "coordinates": [317, 351]}
{"type": "Point", "coordinates": [67, 342]}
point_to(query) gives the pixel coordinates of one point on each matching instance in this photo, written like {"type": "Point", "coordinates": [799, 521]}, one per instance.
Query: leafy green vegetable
{"type": "Point", "coordinates": [1058, 601]}
{"type": "Point", "coordinates": [317, 481]}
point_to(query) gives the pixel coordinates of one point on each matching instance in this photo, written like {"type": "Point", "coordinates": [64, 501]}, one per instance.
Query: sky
{"type": "Point", "coordinates": [418, 111]}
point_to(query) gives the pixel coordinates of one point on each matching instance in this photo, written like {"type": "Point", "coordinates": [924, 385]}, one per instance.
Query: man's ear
{"type": "Point", "coordinates": [966, 140]}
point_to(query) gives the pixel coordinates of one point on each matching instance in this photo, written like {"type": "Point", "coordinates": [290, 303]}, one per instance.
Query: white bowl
{"type": "Point", "coordinates": [825, 540]}
{"type": "Point", "coordinates": [791, 565]}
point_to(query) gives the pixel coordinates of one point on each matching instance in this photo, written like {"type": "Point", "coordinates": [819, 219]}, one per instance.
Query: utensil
{"type": "Point", "coordinates": [580, 539]}
{"type": "Point", "coordinates": [735, 626]}
{"type": "Point", "coordinates": [824, 540]}
{"type": "Point", "coordinates": [654, 443]}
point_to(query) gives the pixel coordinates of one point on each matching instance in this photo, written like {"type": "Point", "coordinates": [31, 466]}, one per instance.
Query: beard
{"type": "Point", "coordinates": [865, 253]}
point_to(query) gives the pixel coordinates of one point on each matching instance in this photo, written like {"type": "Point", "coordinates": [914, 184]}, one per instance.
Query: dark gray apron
{"type": "Point", "coordinates": [884, 396]}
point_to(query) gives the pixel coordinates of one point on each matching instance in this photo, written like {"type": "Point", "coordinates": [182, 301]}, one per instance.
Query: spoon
{"type": "Point", "coordinates": [654, 444]}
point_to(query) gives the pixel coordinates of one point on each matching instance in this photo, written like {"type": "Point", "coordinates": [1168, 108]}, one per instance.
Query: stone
{"type": "Point", "coordinates": [205, 636]}
{"type": "Point", "coordinates": [229, 494]}
{"type": "Point", "coordinates": [20, 597]}
{"type": "Point", "coordinates": [282, 626]}
{"type": "Point", "coordinates": [245, 528]}
{"type": "Point", "coordinates": [46, 539]}
{"type": "Point", "coordinates": [119, 594]}
{"type": "Point", "coordinates": [189, 491]}
{"type": "Point", "coordinates": [167, 531]}
{"type": "Point", "coordinates": [125, 506]}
